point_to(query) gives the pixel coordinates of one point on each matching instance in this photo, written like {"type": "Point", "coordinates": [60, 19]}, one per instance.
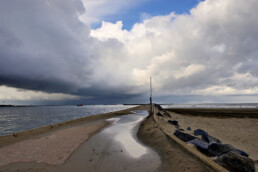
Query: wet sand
{"type": "Point", "coordinates": [50, 145]}
{"type": "Point", "coordinates": [116, 148]}
{"type": "Point", "coordinates": [91, 144]}
{"type": "Point", "coordinates": [54, 148]}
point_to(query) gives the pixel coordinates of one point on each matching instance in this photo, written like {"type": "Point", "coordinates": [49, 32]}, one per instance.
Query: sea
{"type": "Point", "coordinates": [213, 105]}
{"type": "Point", "coordinates": [16, 119]}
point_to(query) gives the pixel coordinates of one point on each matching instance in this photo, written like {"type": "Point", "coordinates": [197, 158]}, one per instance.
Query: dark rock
{"type": "Point", "coordinates": [200, 132]}
{"type": "Point", "coordinates": [173, 122]}
{"type": "Point", "coordinates": [167, 114]}
{"type": "Point", "coordinates": [189, 128]}
{"type": "Point", "coordinates": [237, 163]}
{"type": "Point", "coordinates": [159, 114]}
{"type": "Point", "coordinates": [159, 107]}
{"type": "Point", "coordinates": [201, 145]}
{"type": "Point", "coordinates": [216, 149]}
{"type": "Point", "coordinates": [184, 136]}
{"type": "Point", "coordinates": [240, 152]}
{"type": "Point", "coordinates": [210, 139]}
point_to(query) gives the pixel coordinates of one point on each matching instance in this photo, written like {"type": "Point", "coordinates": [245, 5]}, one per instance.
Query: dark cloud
{"type": "Point", "coordinates": [50, 86]}
{"type": "Point", "coordinates": [43, 45]}
{"type": "Point", "coordinates": [212, 50]}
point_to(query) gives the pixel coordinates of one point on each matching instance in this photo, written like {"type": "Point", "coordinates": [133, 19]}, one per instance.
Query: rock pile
{"type": "Point", "coordinates": [226, 155]}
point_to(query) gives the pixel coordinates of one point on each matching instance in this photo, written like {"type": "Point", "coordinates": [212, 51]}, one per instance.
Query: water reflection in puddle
{"type": "Point", "coordinates": [116, 148]}
{"type": "Point", "coordinates": [124, 130]}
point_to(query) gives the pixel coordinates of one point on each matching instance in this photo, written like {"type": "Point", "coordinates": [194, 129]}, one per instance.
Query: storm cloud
{"type": "Point", "coordinates": [46, 46]}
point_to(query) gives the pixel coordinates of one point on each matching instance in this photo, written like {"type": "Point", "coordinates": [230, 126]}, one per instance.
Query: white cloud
{"type": "Point", "coordinates": [188, 71]}
{"type": "Point", "coordinates": [110, 31]}
{"type": "Point", "coordinates": [191, 54]}
{"type": "Point", "coordinates": [226, 90]}
{"type": "Point", "coordinates": [9, 93]}
{"type": "Point", "coordinates": [213, 50]}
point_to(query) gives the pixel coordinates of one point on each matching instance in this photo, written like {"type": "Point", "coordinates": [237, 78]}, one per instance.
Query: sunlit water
{"type": "Point", "coordinates": [212, 105]}
{"type": "Point", "coordinates": [115, 148]}
{"type": "Point", "coordinates": [122, 131]}
{"type": "Point", "coordinates": [15, 119]}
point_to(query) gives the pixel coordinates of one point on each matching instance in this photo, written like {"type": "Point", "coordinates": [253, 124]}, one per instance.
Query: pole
{"type": "Point", "coordinates": [151, 106]}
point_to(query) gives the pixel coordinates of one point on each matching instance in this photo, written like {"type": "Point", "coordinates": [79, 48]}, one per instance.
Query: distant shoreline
{"type": "Point", "coordinates": [10, 105]}
{"type": "Point", "coordinates": [217, 112]}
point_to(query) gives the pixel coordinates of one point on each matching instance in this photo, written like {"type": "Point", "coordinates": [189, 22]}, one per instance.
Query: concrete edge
{"type": "Point", "coordinates": [207, 161]}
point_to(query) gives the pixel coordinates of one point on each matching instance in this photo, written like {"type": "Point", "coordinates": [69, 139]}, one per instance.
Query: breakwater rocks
{"type": "Point", "coordinates": [226, 155]}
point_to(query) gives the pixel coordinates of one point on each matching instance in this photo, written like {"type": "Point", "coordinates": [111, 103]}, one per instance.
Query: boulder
{"type": "Point", "coordinates": [173, 122]}
{"type": "Point", "coordinates": [184, 136]}
{"type": "Point", "coordinates": [189, 128]}
{"type": "Point", "coordinates": [234, 162]}
{"type": "Point", "coordinates": [216, 149]}
{"type": "Point", "coordinates": [210, 139]}
{"type": "Point", "coordinates": [201, 145]}
{"type": "Point", "coordinates": [159, 107]}
{"type": "Point", "coordinates": [240, 152]}
{"type": "Point", "coordinates": [200, 132]}
{"type": "Point", "coordinates": [159, 114]}
{"type": "Point", "coordinates": [167, 114]}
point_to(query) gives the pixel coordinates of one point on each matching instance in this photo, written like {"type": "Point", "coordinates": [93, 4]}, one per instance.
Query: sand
{"type": "Point", "coordinates": [173, 156]}
{"type": "Point", "coordinates": [242, 133]}
{"type": "Point", "coordinates": [52, 144]}
{"type": "Point", "coordinates": [234, 126]}
{"type": "Point", "coordinates": [216, 112]}
{"type": "Point", "coordinates": [53, 148]}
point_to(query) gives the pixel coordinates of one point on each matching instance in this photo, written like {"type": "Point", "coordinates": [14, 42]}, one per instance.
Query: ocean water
{"type": "Point", "coordinates": [16, 119]}
{"type": "Point", "coordinates": [212, 105]}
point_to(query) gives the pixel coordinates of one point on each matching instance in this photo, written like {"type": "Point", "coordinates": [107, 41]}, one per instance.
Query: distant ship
{"type": "Point", "coordinates": [80, 105]}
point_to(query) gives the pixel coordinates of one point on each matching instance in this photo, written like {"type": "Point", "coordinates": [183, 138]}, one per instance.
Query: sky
{"type": "Point", "coordinates": [104, 51]}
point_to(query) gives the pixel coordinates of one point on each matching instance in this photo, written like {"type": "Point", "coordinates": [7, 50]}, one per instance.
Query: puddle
{"type": "Point", "coordinates": [124, 130]}
{"type": "Point", "coordinates": [116, 148]}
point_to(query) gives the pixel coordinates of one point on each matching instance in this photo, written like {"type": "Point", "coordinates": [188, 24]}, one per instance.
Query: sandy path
{"type": "Point", "coordinates": [54, 148]}
{"type": "Point", "coordinates": [110, 150]}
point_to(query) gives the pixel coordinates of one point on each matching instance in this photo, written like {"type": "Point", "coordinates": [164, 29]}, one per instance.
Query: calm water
{"type": "Point", "coordinates": [15, 119]}
{"type": "Point", "coordinates": [115, 148]}
{"type": "Point", "coordinates": [212, 105]}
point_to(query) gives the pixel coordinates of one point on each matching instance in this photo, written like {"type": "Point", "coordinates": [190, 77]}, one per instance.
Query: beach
{"type": "Point", "coordinates": [88, 143]}
{"type": "Point", "coordinates": [50, 145]}
{"type": "Point", "coordinates": [237, 127]}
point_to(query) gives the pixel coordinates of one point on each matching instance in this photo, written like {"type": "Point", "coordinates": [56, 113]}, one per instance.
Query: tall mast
{"type": "Point", "coordinates": [150, 88]}
{"type": "Point", "coordinates": [151, 107]}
